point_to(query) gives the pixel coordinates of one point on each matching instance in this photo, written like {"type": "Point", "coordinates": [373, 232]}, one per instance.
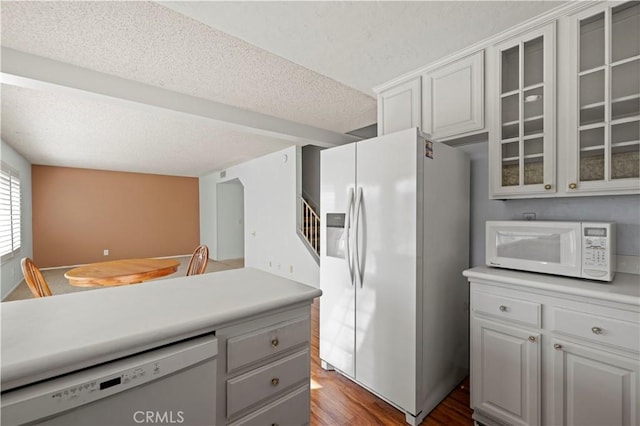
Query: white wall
{"type": "Point", "coordinates": [622, 209]}
{"type": "Point", "coordinates": [271, 242]}
{"type": "Point", "coordinates": [11, 273]}
{"type": "Point", "coordinates": [230, 217]}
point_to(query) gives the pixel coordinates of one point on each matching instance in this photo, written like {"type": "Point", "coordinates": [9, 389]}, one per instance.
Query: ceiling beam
{"type": "Point", "coordinates": [35, 72]}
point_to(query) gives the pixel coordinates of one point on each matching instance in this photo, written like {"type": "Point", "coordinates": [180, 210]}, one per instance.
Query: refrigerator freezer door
{"type": "Point", "coordinates": [386, 251]}
{"type": "Point", "coordinates": [337, 307]}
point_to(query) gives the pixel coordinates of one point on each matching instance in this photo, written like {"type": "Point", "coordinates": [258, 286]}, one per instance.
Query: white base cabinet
{"type": "Point", "coordinates": [506, 372]}
{"type": "Point", "coordinates": [549, 350]}
{"type": "Point", "coordinates": [264, 370]}
{"type": "Point", "coordinates": [593, 387]}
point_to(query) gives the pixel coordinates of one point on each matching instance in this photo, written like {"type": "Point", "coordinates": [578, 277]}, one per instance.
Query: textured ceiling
{"type": "Point", "coordinates": [361, 43]}
{"type": "Point", "coordinates": [67, 131]}
{"type": "Point", "coordinates": [146, 42]}
{"type": "Point", "coordinates": [306, 62]}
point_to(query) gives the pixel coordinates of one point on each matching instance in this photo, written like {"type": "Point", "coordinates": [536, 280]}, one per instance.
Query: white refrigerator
{"type": "Point", "coordinates": [395, 240]}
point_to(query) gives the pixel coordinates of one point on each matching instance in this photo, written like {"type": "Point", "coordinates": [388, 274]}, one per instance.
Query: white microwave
{"type": "Point", "coordinates": [575, 249]}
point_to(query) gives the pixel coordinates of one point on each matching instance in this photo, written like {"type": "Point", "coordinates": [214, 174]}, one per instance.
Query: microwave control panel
{"type": "Point", "coordinates": [596, 252]}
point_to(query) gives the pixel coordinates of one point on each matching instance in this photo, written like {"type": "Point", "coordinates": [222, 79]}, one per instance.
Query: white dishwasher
{"type": "Point", "coordinates": [174, 384]}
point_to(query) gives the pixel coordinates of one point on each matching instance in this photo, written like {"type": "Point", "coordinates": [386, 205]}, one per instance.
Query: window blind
{"type": "Point", "coordinates": [10, 200]}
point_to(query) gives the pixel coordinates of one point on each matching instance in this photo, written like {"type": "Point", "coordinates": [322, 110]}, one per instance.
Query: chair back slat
{"type": "Point", "coordinates": [199, 260]}
{"type": "Point", "coordinates": [34, 279]}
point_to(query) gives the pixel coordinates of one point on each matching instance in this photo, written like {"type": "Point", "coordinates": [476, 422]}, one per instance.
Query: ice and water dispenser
{"type": "Point", "coordinates": [336, 236]}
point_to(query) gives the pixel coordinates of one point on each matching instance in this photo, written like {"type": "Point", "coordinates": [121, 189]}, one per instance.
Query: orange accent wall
{"type": "Point", "coordinates": [77, 213]}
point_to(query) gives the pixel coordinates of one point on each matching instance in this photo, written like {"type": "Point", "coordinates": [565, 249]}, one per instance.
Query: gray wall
{"type": "Point", "coordinates": [10, 270]}
{"type": "Point", "coordinates": [311, 173]}
{"type": "Point", "coordinates": [622, 209]}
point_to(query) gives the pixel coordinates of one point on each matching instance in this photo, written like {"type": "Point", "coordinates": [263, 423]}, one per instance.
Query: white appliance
{"type": "Point", "coordinates": [574, 249]}
{"type": "Point", "coordinates": [395, 229]}
{"type": "Point", "coordinates": [175, 384]}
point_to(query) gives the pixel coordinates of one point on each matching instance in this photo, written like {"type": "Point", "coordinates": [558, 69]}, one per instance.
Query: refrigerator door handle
{"type": "Point", "coordinates": [356, 226]}
{"type": "Point", "coordinates": [347, 229]}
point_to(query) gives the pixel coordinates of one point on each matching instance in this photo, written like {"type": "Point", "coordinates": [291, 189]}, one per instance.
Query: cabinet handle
{"type": "Point", "coordinates": [275, 342]}
{"type": "Point", "coordinates": [572, 185]}
{"type": "Point", "coordinates": [596, 330]}
{"type": "Point", "coordinates": [503, 308]}
{"type": "Point", "coordinates": [532, 339]}
{"type": "Point", "coordinates": [547, 187]}
{"type": "Point", "coordinates": [557, 347]}
{"type": "Point", "coordinates": [275, 381]}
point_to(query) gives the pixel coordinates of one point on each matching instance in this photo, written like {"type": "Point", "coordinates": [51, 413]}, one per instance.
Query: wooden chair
{"type": "Point", "coordinates": [199, 260]}
{"type": "Point", "coordinates": [34, 278]}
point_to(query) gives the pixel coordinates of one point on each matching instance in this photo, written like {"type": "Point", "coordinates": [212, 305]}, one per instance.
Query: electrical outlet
{"type": "Point", "coordinates": [105, 252]}
{"type": "Point", "coordinates": [528, 216]}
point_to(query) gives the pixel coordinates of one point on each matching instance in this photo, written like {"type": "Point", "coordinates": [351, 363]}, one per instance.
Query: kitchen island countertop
{"type": "Point", "coordinates": [46, 337]}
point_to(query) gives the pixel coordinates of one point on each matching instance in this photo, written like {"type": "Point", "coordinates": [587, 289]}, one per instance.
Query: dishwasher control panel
{"type": "Point", "coordinates": [85, 392]}
{"type": "Point", "coordinates": [47, 398]}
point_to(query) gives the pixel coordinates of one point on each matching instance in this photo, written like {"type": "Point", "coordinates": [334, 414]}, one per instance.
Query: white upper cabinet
{"type": "Point", "coordinates": [399, 107]}
{"type": "Point", "coordinates": [522, 141]}
{"type": "Point", "coordinates": [604, 137]}
{"type": "Point", "coordinates": [453, 97]}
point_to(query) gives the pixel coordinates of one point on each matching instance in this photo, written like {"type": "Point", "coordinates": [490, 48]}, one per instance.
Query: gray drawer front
{"type": "Point", "coordinates": [607, 331]}
{"type": "Point", "coordinates": [252, 347]}
{"type": "Point", "coordinates": [267, 381]}
{"type": "Point", "coordinates": [290, 410]}
{"type": "Point", "coordinates": [507, 308]}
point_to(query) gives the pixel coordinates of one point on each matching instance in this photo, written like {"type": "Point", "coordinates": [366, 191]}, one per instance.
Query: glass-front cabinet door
{"type": "Point", "coordinates": [522, 145]}
{"type": "Point", "coordinates": [605, 155]}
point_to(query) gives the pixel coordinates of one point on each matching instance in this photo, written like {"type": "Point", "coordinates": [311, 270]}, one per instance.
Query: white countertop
{"type": "Point", "coordinates": [625, 288]}
{"type": "Point", "coordinates": [45, 337]}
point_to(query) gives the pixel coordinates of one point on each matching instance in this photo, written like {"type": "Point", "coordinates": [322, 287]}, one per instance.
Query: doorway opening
{"type": "Point", "coordinates": [230, 220]}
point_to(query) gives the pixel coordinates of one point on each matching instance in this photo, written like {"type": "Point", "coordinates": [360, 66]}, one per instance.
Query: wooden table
{"type": "Point", "coordinates": [120, 272]}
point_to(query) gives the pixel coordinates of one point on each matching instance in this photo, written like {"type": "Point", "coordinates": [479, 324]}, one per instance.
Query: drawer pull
{"type": "Point", "coordinates": [503, 308]}
{"type": "Point", "coordinates": [557, 347]}
{"type": "Point", "coordinates": [275, 342]}
{"type": "Point", "coordinates": [274, 424]}
{"type": "Point", "coordinates": [275, 381]}
{"type": "Point", "coordinates": [596, 330]}
{"type": "Point", "coordinates": [532, 339]}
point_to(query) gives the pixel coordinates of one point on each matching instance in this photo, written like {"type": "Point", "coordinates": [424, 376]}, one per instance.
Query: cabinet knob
{"type": "Point", "coordinates": [572, 185]}
{"type": "Point", "coordinates": [503, 308]}
{"type": "Point", "coordinates": [547, 187]}
{"type": "Point", "coordinates": [275, 381]}
{"type": "Point", "coordinates": [532, 339]}
{"type": "Point", "coordinates": [596, 330]}
{"type": "Point", "coordinates": [557, 347]}
{"type": "Point", "coordinates": [275, 342]}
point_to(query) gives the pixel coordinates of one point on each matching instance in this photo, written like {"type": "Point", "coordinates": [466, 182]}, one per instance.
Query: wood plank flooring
{"type": "Point", "coordinates": [337, 401]}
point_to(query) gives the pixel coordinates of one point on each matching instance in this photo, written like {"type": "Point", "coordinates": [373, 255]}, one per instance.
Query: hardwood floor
{"type": "Point", "coordinates": [337, 401]}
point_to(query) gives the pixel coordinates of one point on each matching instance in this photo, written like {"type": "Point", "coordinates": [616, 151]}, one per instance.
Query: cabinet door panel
{"type": "Point", "coordinates": [399, 107]}
{"type": "Point", "coordinates": [603, 152]}
{"type": "Point", "coordinates": [453, 101]}
{"type": "Point", "coordinates": [505, 376]}
{"type": "Point", "coordinates": [522, 145]}
{"type": "Point", "coordinates": [592, 387]}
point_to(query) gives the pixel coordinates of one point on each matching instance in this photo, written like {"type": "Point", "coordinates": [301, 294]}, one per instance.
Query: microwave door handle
{"type": "Point", "coordinates": [347, 232]}
{"type": "Point", "coordinates": [356, 228]}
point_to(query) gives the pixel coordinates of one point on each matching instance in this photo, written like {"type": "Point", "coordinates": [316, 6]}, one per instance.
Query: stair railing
{"type": "Point", "coordinates": [310, 225]}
